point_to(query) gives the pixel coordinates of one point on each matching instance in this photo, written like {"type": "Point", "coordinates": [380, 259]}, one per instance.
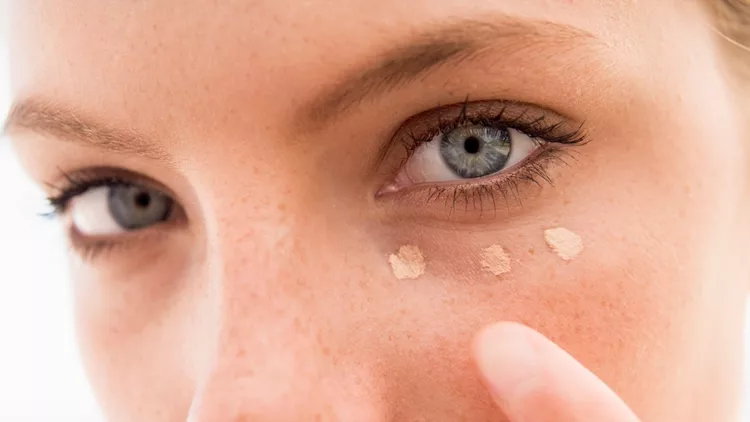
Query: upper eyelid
{"type": "Point", "coordinates": [78, 182]}
{"type": "Point", "coordinates": [511, 110]}
{"type": "Point", "coordinates": [517, 115]}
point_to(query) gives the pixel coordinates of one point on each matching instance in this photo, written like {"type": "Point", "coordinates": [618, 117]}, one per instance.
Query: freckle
{"type": "Point", "coordinates": [408, 263]}
{"type": "Point", "coordinates": [496, 260]}
{"type": "Point", "coordinates": [531, 251]}
{"type": "Point", "coordinates": [566, 244]}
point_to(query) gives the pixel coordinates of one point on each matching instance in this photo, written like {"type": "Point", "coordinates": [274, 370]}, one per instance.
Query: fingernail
{"type": "Point", "coordinates": [508, 360]}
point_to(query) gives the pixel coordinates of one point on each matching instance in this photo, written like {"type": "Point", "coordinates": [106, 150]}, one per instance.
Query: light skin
{"type": "Point", "coordinates": [266, 294]}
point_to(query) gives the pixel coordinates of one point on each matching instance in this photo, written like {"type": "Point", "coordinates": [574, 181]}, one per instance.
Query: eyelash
{"type": "Point", "coordinates": [82, 181]}
{"type": "Point", "coordinates": [554, 139]}
{"type": "Point", "coordinates": [78, 184]}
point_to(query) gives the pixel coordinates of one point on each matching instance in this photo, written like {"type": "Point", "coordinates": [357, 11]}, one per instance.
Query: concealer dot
{"type": "Point", "coordinates": [408, 264]}
{"type": "Point", "coordinates": [495, 260]}
{"type": "Point", "coordinates": [566, 244]}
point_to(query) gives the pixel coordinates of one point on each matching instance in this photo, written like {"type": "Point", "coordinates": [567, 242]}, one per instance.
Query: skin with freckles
{"type": "Point", "coordinates": [276, 133]}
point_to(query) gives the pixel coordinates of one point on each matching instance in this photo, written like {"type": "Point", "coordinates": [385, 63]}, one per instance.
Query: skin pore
{"type": "Point", "coordinates": [294, 145]}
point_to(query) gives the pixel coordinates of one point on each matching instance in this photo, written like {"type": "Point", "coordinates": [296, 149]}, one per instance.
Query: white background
{"type": "Point", "coordinates": [40, 375]}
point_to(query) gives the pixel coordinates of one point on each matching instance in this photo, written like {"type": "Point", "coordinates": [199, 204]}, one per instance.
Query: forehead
{"type": "Point", "coordinates": [279, 32]}
{"type": "Point", "coordinates": [264, 30]}
{"type": "Point", "coordinates": [132, 55]}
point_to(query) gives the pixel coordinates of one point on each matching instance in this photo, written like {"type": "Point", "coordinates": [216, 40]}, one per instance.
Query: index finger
{"type": "Point", "coordinates": [534, 380]}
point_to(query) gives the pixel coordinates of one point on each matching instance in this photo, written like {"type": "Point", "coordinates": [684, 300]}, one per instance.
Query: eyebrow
{"type": "Point", "coordinates": [451, 44]}
{"type": "Point", "coordinates": [42, 117]}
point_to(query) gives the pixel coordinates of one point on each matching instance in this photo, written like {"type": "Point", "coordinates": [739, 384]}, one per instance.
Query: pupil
{"type": "Point", "coordinates": [143, 200]}
{"type": "Point", "coordinates": [471, 145]}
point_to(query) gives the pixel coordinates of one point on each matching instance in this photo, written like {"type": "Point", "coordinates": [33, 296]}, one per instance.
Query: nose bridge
{"type": "Point", "coordinates": [258, 268]}
{"type": "Point", "coordinates": [256, 241]}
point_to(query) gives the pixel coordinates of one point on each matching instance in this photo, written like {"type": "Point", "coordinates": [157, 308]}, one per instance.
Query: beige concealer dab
{"type": "Point", "coordinates": [564, 242]}
{"type": "Point", "coordinates": [408, 264]}
{"type": "Point", "coordinates": [495, 260]}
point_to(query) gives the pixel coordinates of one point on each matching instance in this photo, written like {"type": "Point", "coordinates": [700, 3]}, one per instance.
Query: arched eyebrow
{"type": "Point", "coordinates": [452, 44]}
{"type": "Point", "coordinates": [62, 123]}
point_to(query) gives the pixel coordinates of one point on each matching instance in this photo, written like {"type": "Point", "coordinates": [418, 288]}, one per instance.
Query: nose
{"type": "Point", "coordinates": [280, 351]}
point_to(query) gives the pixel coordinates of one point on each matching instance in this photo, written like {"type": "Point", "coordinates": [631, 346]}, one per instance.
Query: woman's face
{"type": "Point", "coordinates": [235, 176]}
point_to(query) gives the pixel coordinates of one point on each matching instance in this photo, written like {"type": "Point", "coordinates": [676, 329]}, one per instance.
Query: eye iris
{"type": "Point", "coordinates": [475, 151]}
{"type": "Point", "coordinates": [136, 207]}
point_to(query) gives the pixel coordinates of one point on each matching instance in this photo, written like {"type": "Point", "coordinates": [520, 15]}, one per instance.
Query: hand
{"type": "Point", "coordinates": [534, 380]}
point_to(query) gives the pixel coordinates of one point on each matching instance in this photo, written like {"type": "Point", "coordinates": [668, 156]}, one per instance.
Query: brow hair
{"type": "Point", "coordinates": [43, 117]}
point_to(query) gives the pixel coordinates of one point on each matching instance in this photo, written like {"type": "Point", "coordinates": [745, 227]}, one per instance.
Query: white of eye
{"type": "Point", "coordinates": [91, 215]}
{"type": "Point", "coordinates": [427, 165]}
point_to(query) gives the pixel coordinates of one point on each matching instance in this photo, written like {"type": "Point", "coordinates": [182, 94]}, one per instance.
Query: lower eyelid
{"type": "Point", "coordinates": [90, 248]}
{"type": "Point", "coordinates": [482, 199]}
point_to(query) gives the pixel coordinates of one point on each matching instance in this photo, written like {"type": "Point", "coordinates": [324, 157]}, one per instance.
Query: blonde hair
{"type": "Point", "coordinates": [732, 25]}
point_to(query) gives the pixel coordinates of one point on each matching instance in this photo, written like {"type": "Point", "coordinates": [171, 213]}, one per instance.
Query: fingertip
{"type": "Point", "coordinates": [507, 359]}
{"type": "Point", "coordinates": [531, 378]}
{"type": "Point", "coordinates": [503, 330]}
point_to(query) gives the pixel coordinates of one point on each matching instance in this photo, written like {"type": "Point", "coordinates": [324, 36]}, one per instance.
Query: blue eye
{"type": "Point", "coordinates": [476, 151]}
{"type": "Point", "coordinates": [109, 210]}
{"type": "Point", "coordinates": [467, 152]}
{"type": "Point", "coordinates": [135, 207]}
{"type": "Point", "coordinates": [486, 146]}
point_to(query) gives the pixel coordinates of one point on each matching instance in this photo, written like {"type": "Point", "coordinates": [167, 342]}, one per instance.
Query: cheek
{"type": "Point", "coordinates": [625, 323]}
{"type": "Point", "coordinates": [627, 307]}
{"type": "Point", "coordinates": [137, 346]}
{"type": "Point", "coordinates": [624, 307]}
